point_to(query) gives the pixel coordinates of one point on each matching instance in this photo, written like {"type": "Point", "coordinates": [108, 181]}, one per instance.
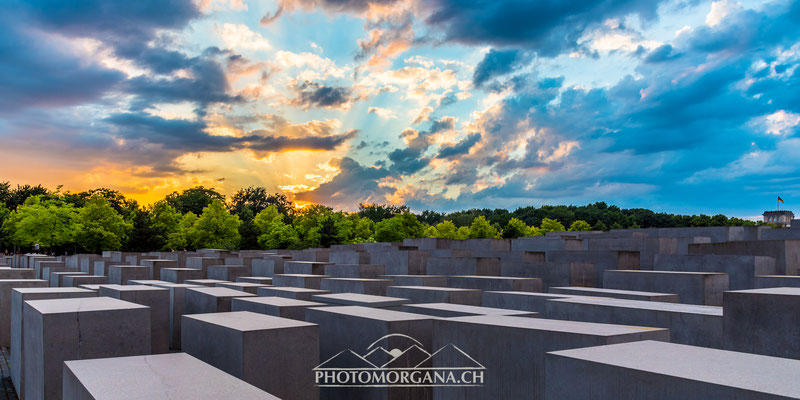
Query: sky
{"type": "Point", "coordinates": [682, 106]}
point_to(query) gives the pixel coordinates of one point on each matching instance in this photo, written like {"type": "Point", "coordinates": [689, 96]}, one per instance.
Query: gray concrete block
{"type": "Point", "coordinates": [687, 323]}
{"type": "Point", "coordinates": [523, 301]}
{"type": "Point", "coordinates": [255, 279]}
{"type": "Point", "coordinates": [305, 267]}
{"type": "Point", "coordinates": [177, 302]}
{"type": "Point", "coordinates": [275, 306]}
{"type": "Point", "coordinates": [691, 287]}
{"type": "Point", "coordinates": [298, 280]}
{"type": "Point", "coordinates": [269, 266]}
{"type": "Point", "coordinates": [74, 329]}
{"type": "Point", "coordinates": [277, 355]}
{"type": "Point", "coordinates": [496, 283]}
{"type": "Point", "coordinates": [103, 266]}
{"type": "Point", "coordinates": [205, 282]}
{"type": "Point", "coordinates": [617, 294]}
{"type": "Point", "coordinates": [156, 265]}
{"type": "Point", "coordinates": [154, 297]}
{"type": "Point", "coordinates": [290, 292]}
{"type": "Point", "coordinates": [367, 271]}
{"type": "Point", "coordinates": [364, 300]}
{"type": "Point", "coordinates": [773, 281]}
{"type": "Point", "coordinates": [463, 266]}
{"type": "Point", "coordinates": [400, 262]}
{"type": "Point", "coordinates": [450, 310]}
{"type": "Point", "coordinates": [741, 270]}
{"type": "Point", "coordinates": [658, 370]}
{"type": "Point", "coordinates": [18, 298]}
{"type": "Point", "coordinates": [6, 286]}
{"type": "Point", "coordinates": [375, 287]}
{"type": "Point", "coordinates": [17, 273]}
{"type": "Point", "coordinates": [156, 377]}
{"type": "Point", "coordinates": [57, 278]}
{"type": "Point", "coordinates": [785, 252]}
{"type": "Point", "coordinates": [147, 282]}
{"type": "Point", "coordinates": [513, 349]}
{"type": "Point", "coordinates": [551, 273]}
{"type": "Point", "coordinates": [180, 275]}
{"type": "Point", "coordinates": [202, 263]}
{"type": "Point", "coordinates": [228, 272]}
{"type": "Point", "coordinates": [428, 294]}
{"type": "Point", "coordinates": [763, 321]}
{"type": "Point", "coordinates": [417, 280]}
{"type": "Point", "coordinates": [46, 271]}
{"type": "Point", "coordinates": [210, 299]}
{"type": "Point", "coordinates": [78, 280]}
{"type": "Point", "coordinates": [41, 263]}
{"type": "Point", "coordinates": [121, 274]}
{"type": "Point", "coordinates": [243, 286]}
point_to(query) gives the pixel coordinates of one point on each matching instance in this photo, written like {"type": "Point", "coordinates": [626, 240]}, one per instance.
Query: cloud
{"type": "Point", "coordinates": [496, 63]}
{"type": "Point", "coordinates": [240, 37]}
{"type": "Point", "coordinates": [313, 94]}
{"type": "Point", "coordinates": [462, 147]}
{"type": "Point", "coordinates": [353, 184]}
{"type": "Point", "coordinates": [382, 112]}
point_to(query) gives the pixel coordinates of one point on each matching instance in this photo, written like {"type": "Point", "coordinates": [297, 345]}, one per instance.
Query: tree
{"type": "Point", "coordinates": [482, 229]}
{"type": "Point", "coordinates": [273, 232]}
{"type": "Point", "coordinates": [380, 212]}
{"type": "Point", "coordinates": [516, 228]}
{"type": "Point", "coordinates": [257, 199]}
{"type": "Point", "coordinates": [580, 225]}
{"type": "Point", "coordinates": [399, 227]}
{"type": "Point", "coordinates": [46, 222]}
{"type": "Point", "coordinates": [551, 225]}
{"type": "Point", "coordinates": [181, 238]}
{"type": "Point", "coordinates": [99, 227]}
{"type": "Point", "coordinates": [363, 231]}
{"type": "Point", "coordinates": [193, 200]}
{"type": "Point", "coordinates": [165, 219]}
{"type": "Point", "coordinates": [4, 214]}
{"type": "Point", "coordinates": [600, 226]}
{"type": "Point", "coordinates": [443, 230]}
{"type": "Point", "coordinates": [216, 228]}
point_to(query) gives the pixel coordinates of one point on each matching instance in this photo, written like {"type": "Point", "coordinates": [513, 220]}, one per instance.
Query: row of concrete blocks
{"type": "Point", "coordinates": [535, 358]}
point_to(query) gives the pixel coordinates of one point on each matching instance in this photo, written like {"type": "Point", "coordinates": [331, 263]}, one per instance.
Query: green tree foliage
{"type": "Point", "coordinates": [580, 225]}
{"type": "Point", "coordinates": [48, 222]}
{"type": "Point", "coordinates": [182, 238]}
{"type": "Point", "coordinates": [443, 230]}
{"type": "Point", "coordinates": [399, 227]}
{"type": "Point", "coordinates": [216, 228]}
{"type": "Point", "coordinates": [482, 229]}
{"type": "Point", "coordinates": [516, 228]}
{"type": "Point", "coordinates": [364, 230]}
{"type": "Point", "coordinates": [4, 214]}
{"type": "Point", "coordinates": [193, 200]}
{"type": "Point", "coordinates": [274, 233]}
{"type": "Point", "coordinates": [143, 236]}
{"type": "Point", "coordinates": [99, 227]}
{"type": "Point", "coordinates": [14, 198]}
{"type": "Point", "coordinates": [380, 212]}
{"type": "Point", "coordinates": [600, 226]}
{"type": "Point", "coordinates": [551, 225]}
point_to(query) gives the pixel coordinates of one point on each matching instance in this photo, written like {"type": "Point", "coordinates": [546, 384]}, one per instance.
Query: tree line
{"type": "Point", "coordinates": [200, 217]}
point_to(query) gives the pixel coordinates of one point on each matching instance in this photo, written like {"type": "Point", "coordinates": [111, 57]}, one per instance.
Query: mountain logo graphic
{"type": "Point", "coordinates": [409, 364]}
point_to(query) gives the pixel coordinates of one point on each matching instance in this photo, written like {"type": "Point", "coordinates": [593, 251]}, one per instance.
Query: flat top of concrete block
{"type": "Point", "coordinates": [179, 269]}
{"type": "Point", "coordinates": [639, 271]}
{"type": "Point", "coordinates": [201, 281]}
{"type": "Point", "coordinates": [644, 304]}
{"type": "Point", "coordinates": [359, 280]}
{"type": "Point", "coordinates": [168, 285]}
{"type": "Point", "coordinates": [785, 291]}
{"type": "Point", "coordinates": [248, 321]}
{"type": "Point", "coordinates": [720, 367]}
{"type": "Point", "coordinates": [128, 266]}
{"type": "Point", "coordinates": [206, 257]}
{"type": "Point", "coordinates": [354, 299]}
{"type": "Point", "coordinates": [281, 302]}
{"type": "Point", "coordinates": [304, 275]}
{"type": "Point", "coordinates": [414, 276]}
{"type": "Point", "coordinates": [779, 276]}
{"type": "Point", "coordinates": [82, 304]}
{"type": "Point", "coordinates": [148, 282]}
{"type": "Point", "coordinates": [310, 262]}
{"type": "Point", "coordinates": [220, 292]}
{"type": "Point", "coordinates": [226, 266]}
{"type": "Point", "coordinates": [158, 260]}
{"type": "Point", "coordinates": [510, 278]}
{"type": "Point", "coordinates": [532, 294]}
{"type": "Point", "coordinates": [575, 327]}
{"type": "Point", "coordinates": [242, 284]}
{"type": "Point", "coordinates": [160, 377]}
{"type": "Point", "coordinates": [371, 313]}
{"type": "Point", "coordinates": [90, 276]}
{"type": "Point", "coordinates": [52, 290]}
{"type": "Point", "coordinates": [92, 287]}
{"type": "Point", "coordinates": [9, 281]}
{"type": "Point", "coordinates": [131, 288]}
{"type": "Point", "coordinates": [467, 309]}
{"type": "Point", "coordinates": [68, 273]}
{"type": "Point", "coordinates": [293, 289]}
{"type": "Point", "coordinates": [436, 288]}
{"type": "Point", "coordinates": [590, 290]}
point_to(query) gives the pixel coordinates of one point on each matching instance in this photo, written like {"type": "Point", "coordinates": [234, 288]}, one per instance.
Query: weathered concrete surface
{"type": "Point", "coordinates": [104, 327]}
{"type": "Point", "coordinates": [18, 298]}
{"type": "Point", "coordinates": [763, 321]}
{"type": "Point", "coordinates": [364, 300]}
{"type": "Point", "coordinates": [57, 278]}
{"type": "Point", "coordinates": [255, 279]}
{"type": "Point", "coordinates": [17, 273]}
{"type": "Point", "coordinates": [177, 303]}
{"type": "Point", "coordinates": [657, 370]}
{"type": "Point", "coordinates": [248, 287]}
{"type": "Point", "coordinates": [308, 281]}
{"type": "Point", "coordinates": [148, 282]}
{"type": "Point", "coordinates": [523, 301]}
{"type": "Point", "coordinates": [495, 283]}
{"type": "Point", "coordinates": [687, 323]}
{"type": "Point", "coordinates": [121, 274]}
{"type": "Point", "coordinates": [772, 281]}
{"type": "Point", "coordinates": [401, 262]}
{"type": "Point", "coordinates": [785, 252]}
{"type": "Point", "coordinates": [228, 272]}
{"type": "Point", "coordinates": [156, 265]}
{"type": "Point", "coordinates": [154, 297]}
{"type": "Point", "coordinates": [202, 263]}
{"type": "Point", "coordinates": [269, 266]}
{"type": "Point", "coordinates": [157, 377]}
{"type": "Point", "coordinates": [210, 299]}
{"type": "Point", "coordinates": [601, 259]}
{"type": "Point", "coordinates": [691, 287]}
{"type": "Point", "coordinates": [450, 310]}
{"type": "Point", "coordinates": [103, 266]}
{"type": "Point", "coordinates": [417, 280]}
{"type": "Point", "coordinates": [617, 294]}
{"type": "Point", "coordinates": [741, 270]}
{"type": "Point", "coordinates": [305, 267]}
{"type": "Point", "coordinates": [463, 266]}
{"type": "Point", "coordinates": [290, 292]}
{"type": "Point", "coordinates": [520, 356]}
{"type": "Point", "coordinates": [428, 294]}
{"type": "Point", "coordinates": [205, 282]}
{"type": "Point", "coordinates": [277, 355]}
{"type": "Point", "coordinates": [375, 287]}
{"type": "Point", "coordinates": [78, 280]}
{"type": "Point", "coordinates": [368, 271]}
{"type": "Point", "coordinates": [275, 306]}
{"type": "Point", "coordinates": [6, 286]}
{"type": "Point", "coordinates": [180, 275]}
{"type": "Point", "coordinates": [551, 273]}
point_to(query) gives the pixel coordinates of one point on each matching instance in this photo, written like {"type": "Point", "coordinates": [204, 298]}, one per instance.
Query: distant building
{"type": "Point", "coordinates": [783, 218]}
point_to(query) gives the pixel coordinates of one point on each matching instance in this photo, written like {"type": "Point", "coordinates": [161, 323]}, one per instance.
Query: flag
{"type": "Point", "coordinates": [780, 200]}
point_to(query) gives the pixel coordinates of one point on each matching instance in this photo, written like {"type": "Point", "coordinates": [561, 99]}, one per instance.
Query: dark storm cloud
{"type": "Point", "coordinates": [312, 94]}
{"type": "Point", "coordinates": [496, 63]}
{"type": "Point", "coordinates": [355, 183]}
{"type": "Point", "coordinates": [462, 147]}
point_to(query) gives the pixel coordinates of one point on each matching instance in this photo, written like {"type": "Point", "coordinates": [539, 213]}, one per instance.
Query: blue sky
{"type": "Point", "coordinates": [679, 106]}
